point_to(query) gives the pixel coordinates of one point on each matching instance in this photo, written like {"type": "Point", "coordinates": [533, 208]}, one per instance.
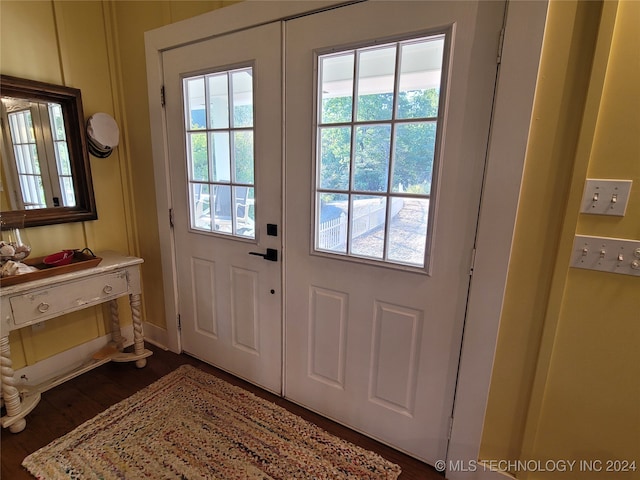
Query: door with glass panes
{"type": "Point", "coordinates": [386, 115]}
{"type": "Point", "coordinates": [223, 115]}
{"type": "Point", "coordinates": [387, 120]}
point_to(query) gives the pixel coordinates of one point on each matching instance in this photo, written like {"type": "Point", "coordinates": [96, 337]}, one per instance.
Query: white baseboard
{"type": "Point", "coordinates": [155, 335]}
{"type": "Point", "coordinates": [52, 367]}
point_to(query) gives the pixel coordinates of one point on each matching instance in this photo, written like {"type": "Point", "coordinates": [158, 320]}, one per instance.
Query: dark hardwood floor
{"type": "Point", "coordinates": [75, 401]}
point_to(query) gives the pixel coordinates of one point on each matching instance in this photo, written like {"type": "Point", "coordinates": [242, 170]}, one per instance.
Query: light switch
{"type": "Point", "coordinates": [605, 197]}
{"type": "Point", "coordinates": [614, 255]}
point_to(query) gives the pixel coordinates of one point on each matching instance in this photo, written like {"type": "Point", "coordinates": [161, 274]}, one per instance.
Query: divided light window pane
{"type": "Point", "coordinates": [420, 71]}
{"type": "Point", "coordinates": [219, 100]}
{"type": "Point", "coordinates": [195, 98]}
{"type": "Point", "coordinates": [221, 157]}
{"type": "Point", "coordinates": [243, 156]}
{"type": "Point", "coordinates": [367, 238]}
{"type": "Point", "coordinates": [376, 81]}
{"type": "Point", "coordinates": [242, 98]}
{"type": "Point", "coordinates": [198, 156]}
{"type": "Point", "coordinates": [375, 159]}
{"type": "Point", "coordinates": [335, 153]}
{"type": "Point", "coordinates": [219, 128]}
{"type": "Point", "coordinates": [371, 165]}
{"type": "Point", "coordinates": [414, 151]}
{"type": "Point", "coordinates": [336, 94]}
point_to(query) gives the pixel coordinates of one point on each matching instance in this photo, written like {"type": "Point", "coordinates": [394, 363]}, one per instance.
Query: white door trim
{"type": "Point", "coordinates": [524, 29]}
{"type": "Point", "coordinates": [505, 164]}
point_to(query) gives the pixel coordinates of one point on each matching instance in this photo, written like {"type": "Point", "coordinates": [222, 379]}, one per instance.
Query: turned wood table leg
{"type": "Point", "coordinates": [138, 338]}
{"type": "Point", "coordinates": [9, 391]}
{"type": "Point", "coordinates": [116, 334]}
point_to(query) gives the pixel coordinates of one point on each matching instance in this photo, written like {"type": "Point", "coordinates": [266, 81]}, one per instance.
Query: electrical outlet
{"type": "Point", "coordinates": [614, 255]}
{"type": "Point", "coordinates": [605, 197]}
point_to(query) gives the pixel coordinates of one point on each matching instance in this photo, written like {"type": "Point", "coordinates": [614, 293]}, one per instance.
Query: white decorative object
{"type": "Point", "coordinates": [14, 244]}
{"type": "Point", "coordinates": [37, 301]}
{"type": "Point", "coordinates": [103, 135]}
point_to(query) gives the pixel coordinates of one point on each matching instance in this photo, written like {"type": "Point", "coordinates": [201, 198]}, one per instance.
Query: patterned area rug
{"type": "Point", "coordinates": [192, 425]}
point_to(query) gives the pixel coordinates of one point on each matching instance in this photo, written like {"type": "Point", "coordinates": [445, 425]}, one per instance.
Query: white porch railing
{"type": "Point", "coordinates": [332, 233]}
{"type": "Point", "coordinates": [367, 215]}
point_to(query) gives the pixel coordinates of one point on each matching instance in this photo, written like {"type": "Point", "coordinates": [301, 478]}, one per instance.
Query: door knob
{"type": "Point", "coordinates": [271, 255]}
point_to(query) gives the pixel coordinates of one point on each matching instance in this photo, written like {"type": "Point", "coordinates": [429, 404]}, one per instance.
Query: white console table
{"type": "Point", "coordinates": [40, 300]}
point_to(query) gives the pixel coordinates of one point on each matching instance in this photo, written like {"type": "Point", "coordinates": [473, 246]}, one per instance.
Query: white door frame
{"type": "Point", "coordinates": [524, 29]}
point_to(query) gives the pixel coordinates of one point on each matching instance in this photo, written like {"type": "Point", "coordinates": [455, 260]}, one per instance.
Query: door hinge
{"type": "Point", "coordinates": [162, 95]}
{"type": "Point", "coordinates": [500, 46]}
{"type": "Point", "coordinates": [473, 261]}
{"type": "Point", "coordinates": [171, 217]}
{"type": "Point", "coordinates": [179, 323]}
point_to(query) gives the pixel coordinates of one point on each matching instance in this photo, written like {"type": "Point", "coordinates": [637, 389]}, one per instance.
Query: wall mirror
{"type": "Point", "coordinates": [46, 175]}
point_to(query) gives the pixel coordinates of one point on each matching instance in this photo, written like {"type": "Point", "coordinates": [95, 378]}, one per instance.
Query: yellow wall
{"type": "Point", "coordinates": [566, 380]}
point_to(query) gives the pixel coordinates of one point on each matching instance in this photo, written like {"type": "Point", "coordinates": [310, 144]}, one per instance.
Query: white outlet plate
{"type": "Point", "coordinates": [605, 197]}
{"type": "Point", "coordinates": [614, 255]}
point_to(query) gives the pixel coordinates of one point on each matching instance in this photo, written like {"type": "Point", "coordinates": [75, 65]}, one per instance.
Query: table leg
{"type": "Point", "coordinates": [9, 391]}
{"type": "Point", "coordinates": [116, 334]}
{"type": "Point", "coordinates": [138, 338]}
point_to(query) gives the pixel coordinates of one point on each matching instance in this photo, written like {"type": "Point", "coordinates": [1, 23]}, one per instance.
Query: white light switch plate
{"type": "Point", "coordinates": [614, 255]}
{"type": "Point", "coordinates": [605, 197]}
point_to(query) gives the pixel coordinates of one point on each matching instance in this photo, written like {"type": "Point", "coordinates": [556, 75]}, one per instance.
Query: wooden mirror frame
{"type": "Point", "coordinates": [71, 101]}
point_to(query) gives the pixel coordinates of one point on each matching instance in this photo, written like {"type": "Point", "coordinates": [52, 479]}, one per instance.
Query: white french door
{"type": "Point", "coordinates": [374, 311]}
{"type": "Point", "coordinates": [380, 208]}
{"type": "Point", "coordinates": [224, 144]}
